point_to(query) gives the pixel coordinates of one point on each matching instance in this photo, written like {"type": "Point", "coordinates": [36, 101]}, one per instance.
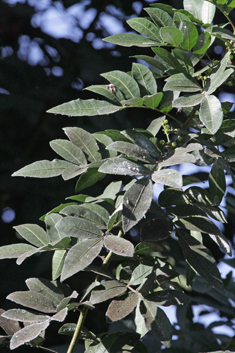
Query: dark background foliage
{"type": "Point", "coordinates": [31, 84]}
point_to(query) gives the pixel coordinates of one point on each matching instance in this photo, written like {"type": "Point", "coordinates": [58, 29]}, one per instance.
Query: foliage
{"type": "Point", "coordinates": [171, 264]}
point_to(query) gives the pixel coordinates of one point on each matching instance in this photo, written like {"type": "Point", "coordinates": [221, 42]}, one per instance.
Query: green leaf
{"type": "Point", "coordinates": [89, 178]}
{"type": "Point", "coordinates": [156, 322]}
{"type": "Point", "coordinates": [33, 234]}
{"type": "Point", "coordinates": [145, 27]}
{"type": "Point", "coordinates": [124, 82]}
{"type": "Point", "coordinates": [153, 101]}
{"type": "Point", "coordinates": [133, 102]}
{"type": "Point", "coordinates": [140, 273]}
{"type": "Point", "coordinates": [169, 197]}
{"type": "Point", "coordinates": [80, 256]}
{"type": "Point", "coordinates": [167, 59]}
{"type": "Point", "coordinates": [160, 17]}
{"type": "Point", "coordinates": [203, 43]}
{"type": "Point", "coordinates": [136, 202]}
{"type": "Point", "coordinates": [33, 300]}
{"type": "Point", "coordinates": [87, 107]}
{"type": "Point", "coordinates": [85, 141]}
{"type": "Point", "coordinates": [219, 74]}
{"type": "Point", "coordinates": [156, 229]}
{"type": "Point", "coordinates": [78, 228]}
{"type": "Point", "coordinates": [171, 35]}
{"type": "Point", "coordinates": [129, 40]}
{"type": "Point", "coordinates": [184, 60]}
{"type": "Point", "coordinates": [103, 90]}
{"type": "Point", "coordinates": [177, 159]}
{"type": "Point", "coordinates": [119, 245]}
{"type": "Point", "coordinates": [144, 78]}
{"type": "Point", "coordinates": [51, 220]}
{"type": "Point", "coordinates": [188, 101]}
{"type": "Point", "coordinates": [28, 333]}
{"type": "Point", "coordinates": [217, 183]}
{"type": "Point", "coordinates": [57, 263]}
{"type": "Point", "coordinates": [190, 35]}
{"type": "Point", "coordinates": [49, 289]}
{"type": "Point", "coordinates": [99, 210]}
{"type": "Point", "coordinates": [14, 250]}
{"type": "Point", "coordinates": [67, 150]}
{"type": "Point", "coordinates": [142, 141]}
{"type": "Point", "coordinates": [150, 60]}
{"type": "Point", "coordinates": [200, 258]}
{"type": "Point", "coordinates": [169, 177]}
{"type": "Point", "coordinates": [24, 316]}
{"type": "Point", "coordinates": [118, 309]}
{"type": "Point", "coordinates": [43, 169]}
{"type": "Point", "coordinates": [156, 125]}
{"type": "Point", "coordinates": [201, 9]}
{"type": "Point", "coordinates": [182, 82]}
{"type": "Point", "coordinates": [131, 150]}
{"type": "Point", "coordinates": [210, 113]}
{"type": "Point", "coordinates": [111, 290]}
{"type": "Point", "coordinates": [122, 166]}
{"type": "Point", "coordinates": [221, 33]}
{"type": "Point", "coordinates": [82, 211]}
{"type": "Point", "coordinates": [74, 170]}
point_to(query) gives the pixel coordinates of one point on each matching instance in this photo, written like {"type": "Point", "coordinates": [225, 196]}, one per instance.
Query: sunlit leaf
{"type": "Point", "coordinates": [190, 35]}
{"type": "Point", "coordinates": [131, 150]}
{"type": "Point", "coordinates": [111, 290]}
{"type": "Point", "coordinates": [188, 101]}
{"type": "Point", "coordinates": [33, 234]}
{"type": "Point", "coordinates": [80, 256]}
{"type": "Point", "coordinates": [57, 263]}
{"type": "Point", "coordinates": [119, 245]}
{"type": "Point", "coordinates": [48, 289]}
{"type": "Point", "coordinates": [24, 315]}
{"type": "Point", "coordinates": [14, 250]}
{"type": "Point", "coordinates": [203, 43]}
{"type": "Point", "coordinates": [33, 300]}
{"type": "Point", "coordinates": [160, 17]}
{"type": "Point", "coordinates": [219, 74]}
{"type": "Point", "coordinates": [203, 10]}
{"type": "Point", "coordinates": [136, 202]}
{"type": "Point", "coordinates": [122, 166]}
{"type": "Point", "coordinates": [210, 113]}
{"type": "Point", "coordinates": [51, 220]}
{"type": "Point", "coordinates": [144, 78]}
{"type": "Point", "coordinates": [89, 178]}
{"type": "Point", "coordinates": [153, 101]}
{"type": "Point", "coordinates": [145, 27]}
{"type": "Point", "coordinates": [177, 159]}
{"type": "Point", "coordinates": [143, 141]}
{"type": "Point", "coordinates": [118, 309]}
{"type": "Point", "coordinates": [43, 169]}
{"type": "Point", "coordinates": [139, 274]}
{"type": "Point", "coordinates": [182, 82]}
{"type": "Point", "coordinates": [103, 90]}
{"type": "Point", "coordinates": [169, 177]}
{"type": "Point", "coordinates": [171, 35]}
{"type": "Point", "coordinates": [129, 40]}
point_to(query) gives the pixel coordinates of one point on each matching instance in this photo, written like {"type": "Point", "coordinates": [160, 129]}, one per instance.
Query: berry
{"type": "Point", "coordinates": [174, 144]}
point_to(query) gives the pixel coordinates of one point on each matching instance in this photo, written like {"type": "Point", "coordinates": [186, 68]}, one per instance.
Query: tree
{"type": "Point", "coordinates": [91, 236]}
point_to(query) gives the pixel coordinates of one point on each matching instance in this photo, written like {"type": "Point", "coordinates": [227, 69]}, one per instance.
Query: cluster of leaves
{"type": "Point", "coordinates": [87, 233]}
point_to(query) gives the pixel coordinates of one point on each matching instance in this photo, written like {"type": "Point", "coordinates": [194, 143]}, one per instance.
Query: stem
{"type": "Point", "coordinates": [84, 311]}
{"type": "Point", "coordinates": [230, 21]}
{"type": "Point", "coordinates": [187, 122]}
{"type": "Point", "coordinates": [165, 113]}
{"type": "Point", "coordinates": [78, 329]}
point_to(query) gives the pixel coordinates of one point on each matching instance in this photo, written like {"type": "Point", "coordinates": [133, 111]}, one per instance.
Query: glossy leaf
{"type": "Point", "coordinates": [43, 169]}
{"type": "Point", "coordinates": [118, 309]}
{"type": "Point", "coordinates": [157, 322]}
{"type": "Point", "coordinates": [14, 250]}
{"type": "Point", "coordinates": [143, 141]}
{"type": "Point", "coordinates": [182, 83]}
{"type": "Point", "coordinates": [202, 44]}
{"type": "Point", "coordinates": [145, 27]}
{"type": "Point", "coordinates": [33, 234]}
{"type": "Point", "coordinates": [124, 82]}
{"type": "Point", "coordinates": [171, 35]}
{"type": "Point", "coordinates": [188, 101]}
{"type": "Point", "coordinates": [155, 229]}
{"type": "Point", "coordinates": [203, 10]}
{"type": "Point", "coordinates": [67, 150]}
{"type": "Point", "coordinates": [27, 334]}
{"type": "Point", "coordinates": [131, 150]}
{"type": "Point", "coordinates": [145, 79]}
{"type": "Point", "coordinates": [217, 183]}
{"type": "Point", "coordinates": [160, 17]}
{"type": "Point", "coordinates": [136, 202]}
{"type": "Point", "coordinates": [119, 245]}
{"type": "Point", "coordinates": [190, 35]}
{"type": "Point", "coordinates": [78, 227]}
{"type": "Point", "coordinates": [210, 113]}
{"type": "Point", "coordinates": [80, 256]}
{"type": "Point", "coordinates": [168, 177]}
{"type": "Point", "coordinates": [111, 289]}
{"type": "Point", "coordinates": [103, 90]}
{"type": "Point", "coordinates": [85, 141]}
{"type": "Point", "coordinates": [129, 40]}
{"type": "Point", "coordinates": [121, 166]}
{"type": "Point", "coordinates": [200, 259]}
{"type": "Point", "coordinates": [153, 101]}
{"type": "Point", "coordinates": [57, 263]}
{"type": "Point", "coordinates": [88, 107]}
